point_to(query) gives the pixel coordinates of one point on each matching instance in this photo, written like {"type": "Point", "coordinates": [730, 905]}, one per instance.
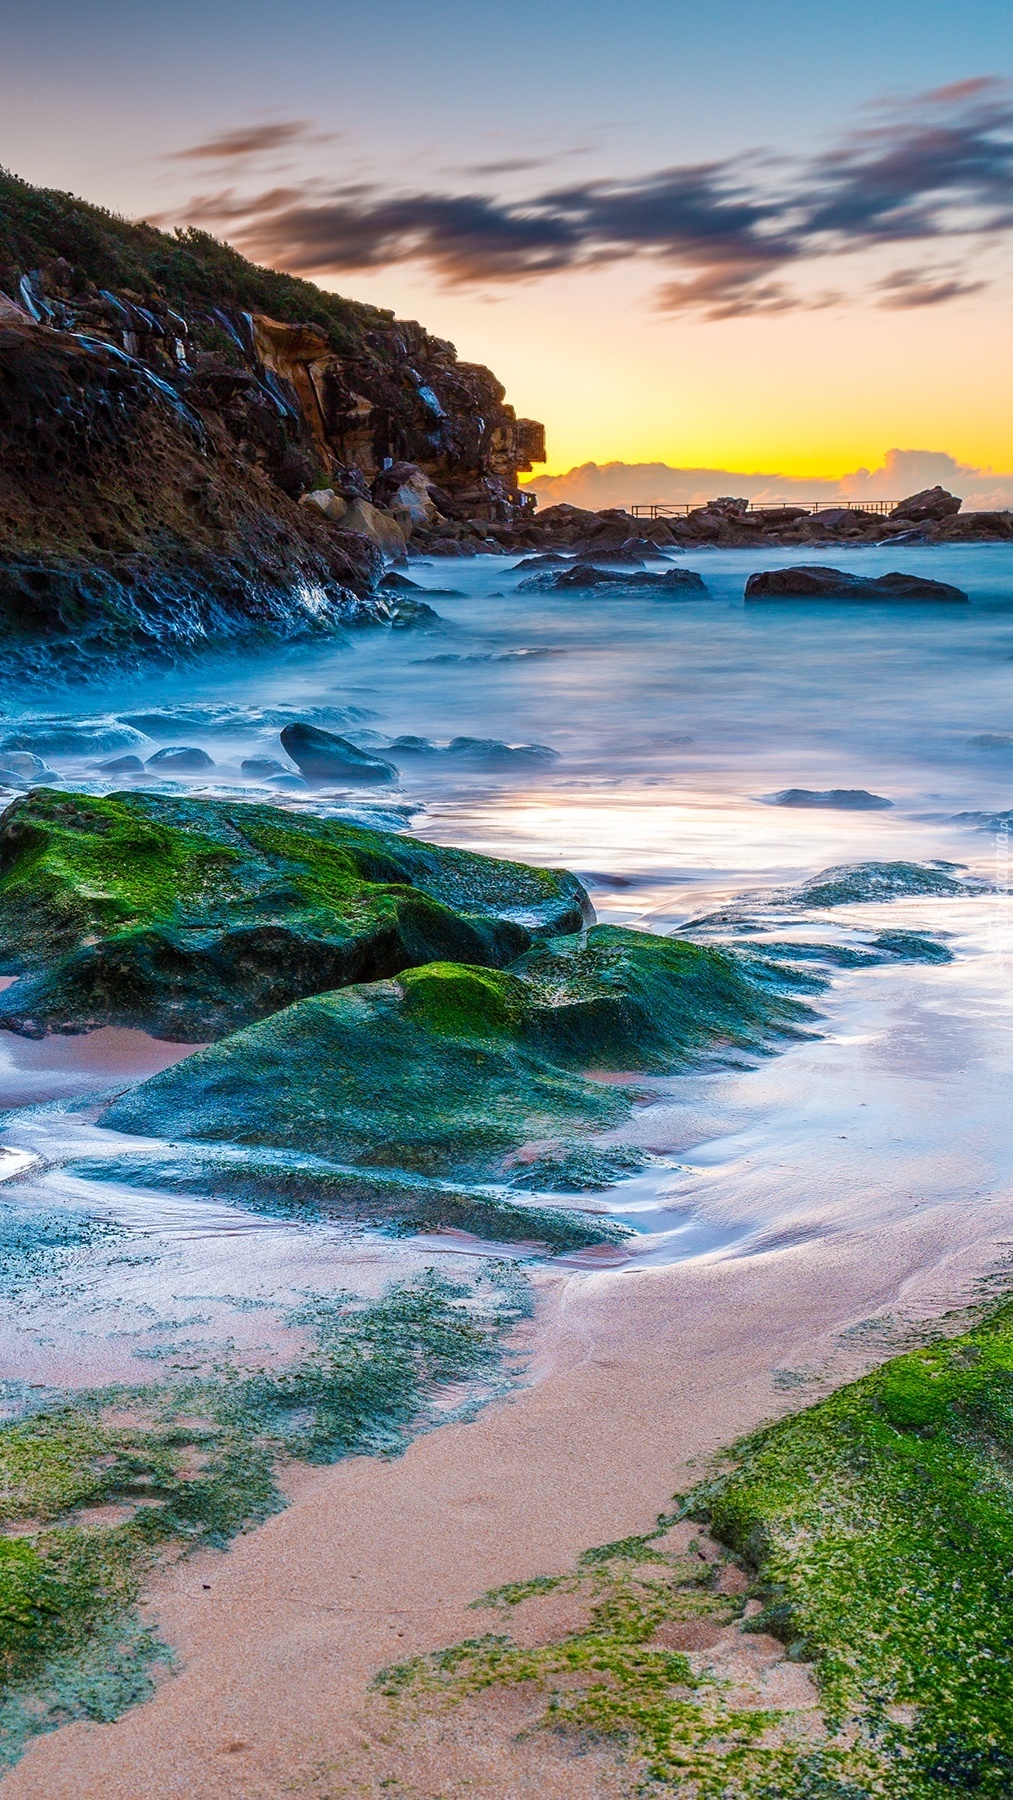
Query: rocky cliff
{"type": "Point", "coordinates": [165, 406]}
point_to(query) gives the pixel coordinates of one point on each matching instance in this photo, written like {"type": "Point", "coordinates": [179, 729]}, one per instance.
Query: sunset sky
{"type": "Point", "coordinates": [749, 237]}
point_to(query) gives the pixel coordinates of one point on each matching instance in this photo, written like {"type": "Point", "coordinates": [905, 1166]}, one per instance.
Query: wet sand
{"type": "Point", "coordinates": [634, 1379]}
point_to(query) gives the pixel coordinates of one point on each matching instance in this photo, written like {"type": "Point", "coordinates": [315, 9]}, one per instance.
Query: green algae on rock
{"type": "Point", "coordinates": [287, 1183]}
{"type": "Point", "coordinates": [449, 1069]}
{"type": "Point", "coordinates": [191, 917]}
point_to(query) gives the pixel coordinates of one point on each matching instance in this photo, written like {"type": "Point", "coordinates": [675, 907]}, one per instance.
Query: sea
{"type": "Point", "coordinates": [646, 741]}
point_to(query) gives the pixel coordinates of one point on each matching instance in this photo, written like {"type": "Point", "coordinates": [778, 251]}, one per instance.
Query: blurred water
{"type": "Point", "coordinates": [673, 721]}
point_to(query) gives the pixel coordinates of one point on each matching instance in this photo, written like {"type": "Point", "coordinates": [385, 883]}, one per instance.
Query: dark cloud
{"type": "Point", "coordinates": [935, 170]}
{"type": "Point", "coordinates": [923, 287]}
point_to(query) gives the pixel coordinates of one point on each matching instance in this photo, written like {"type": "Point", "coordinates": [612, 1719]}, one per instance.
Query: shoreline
{"type": "Point", "coordinates": [633, 1382]}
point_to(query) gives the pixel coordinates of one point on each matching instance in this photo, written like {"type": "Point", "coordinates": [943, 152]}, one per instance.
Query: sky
{"type": "Point", "coordinates": [767, 238]}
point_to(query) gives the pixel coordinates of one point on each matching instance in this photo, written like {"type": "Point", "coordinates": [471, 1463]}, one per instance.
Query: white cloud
{"type": "Point", "coordinates": [902, 472]}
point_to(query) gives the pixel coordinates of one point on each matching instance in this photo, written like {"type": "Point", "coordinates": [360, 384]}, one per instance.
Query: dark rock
{"type": "Point", "coordinates": [122, 765]}
{"type": "Point", "coordinates": [992, 740]}
{"type": "Point", "coordinates": [932, 503]}
{"type": "Point", "coordinates": [843, 799]}
{"type": "Point", "coordinates": [856, 883]}
{"type": "Point", "coordinates": [392, 582]}
{"type": "Point", "coordinates": [492, 754]}
{"type": "Point", "coordinates": [586, 576]}
{"type": "Point", "coordinates": [550, 559]}
{"type": "Point", "coordinates": [410, 614]}
{"type": "Point", "coordinates": [262, 766]}
{"type": "Point", "coordinates": [180, 759]}
{"type": "Point", "coordinates": [807, 581]}
{"type": "Point", "coordinates": [322, 756]}
{"type": "Point", "coordinates": [412, 746]}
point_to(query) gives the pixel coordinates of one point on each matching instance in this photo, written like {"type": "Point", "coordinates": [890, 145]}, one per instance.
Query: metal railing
{"type": "Point", "coordinates": [659, 510]}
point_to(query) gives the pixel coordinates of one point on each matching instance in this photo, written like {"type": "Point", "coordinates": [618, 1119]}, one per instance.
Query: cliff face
{"type": "Point", "coordinates": [164, 406]}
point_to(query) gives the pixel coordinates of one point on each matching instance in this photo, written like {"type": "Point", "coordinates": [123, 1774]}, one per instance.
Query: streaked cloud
{"type": "Point", "coordinates": [736, 236]}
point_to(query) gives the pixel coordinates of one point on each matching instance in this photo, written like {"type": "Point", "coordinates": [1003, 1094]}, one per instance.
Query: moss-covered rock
{"type": "Point", "coordinates": [449, 1069]}
{"type": "Point", "coordinates": [192, 917]}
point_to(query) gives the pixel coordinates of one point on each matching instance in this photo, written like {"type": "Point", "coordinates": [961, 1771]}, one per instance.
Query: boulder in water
{"type": "Point", "coordinates": [810, 581]}
{"type": "Point", "coordinates": [262, 766]}
{"type": "Point", "coordinates": [180, 759]}
{"type": "Point", "coordinates": [447, 1070]}
{"type": "Point", "coordinates": [190, 917]}
{"type": "Point", "coordinates": [322, 756]}
{"type": "Point", "coordinates": [490, 753]}
{"type": "Point", "coordinates": [122, 765]}
{"type": "Point", "coordinates": [587, 576]}
{"type": "Point", "coordinates": [843, 799]}
{"type": "Point", "coordinates": [19, 768]}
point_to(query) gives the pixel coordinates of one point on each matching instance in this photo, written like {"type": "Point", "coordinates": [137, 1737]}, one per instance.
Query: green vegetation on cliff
{"type": "Point", "coordinates": [38, 225]}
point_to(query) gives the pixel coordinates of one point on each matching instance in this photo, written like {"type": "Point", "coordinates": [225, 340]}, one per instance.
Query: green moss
{"type": "Point", "coordinates": [193, 1464]}
{"type": "Point", "coordinates": [881, 1525]}
{"type": "Point", "coordinates": [878, 1526]}
{"type": "Point", "coordinates": [613, 1679]}
{"type": "Point", "coordinates": [311, 1187]}
{"type": "Point", "coordinates": [451, 1069]}
{"type": "Point", "coordinates": [192, 917]}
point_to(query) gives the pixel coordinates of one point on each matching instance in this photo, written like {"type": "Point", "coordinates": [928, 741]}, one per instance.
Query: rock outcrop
{"type": "Point", "coordinates": [164, 405]}
{"type": "Point", "coordinates": [189, 918]}
{"type": "Point", "coordinates": [808, 581]}
{"type": "Point", "coordinates": [931, 503]}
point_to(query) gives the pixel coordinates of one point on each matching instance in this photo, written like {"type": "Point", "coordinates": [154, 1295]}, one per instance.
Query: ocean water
{"type": "Point", "coordinates": [672, 723]}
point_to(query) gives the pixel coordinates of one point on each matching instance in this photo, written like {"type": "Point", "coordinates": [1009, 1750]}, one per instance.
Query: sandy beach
{"type": "Point", "coordinates": [633, 1381]}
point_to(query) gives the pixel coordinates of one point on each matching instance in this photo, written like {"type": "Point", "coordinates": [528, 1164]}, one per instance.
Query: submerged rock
{"type": "Point", "coordinates": [851, 884]}
{"type": "Point", "coordinates": [122, 765]}
{"type": "Point", "coordinates": [843, 799]}
{"type": "Point", "coordinates": [262, 767]}
{"type": "Point", "coordinates": [324, 757]}
{"type": "Point", "coordinates": [448, 1069]}
{"type": "Point", "coordinates": [584, 576]}
{"type": "Point", "coordinates": [190, 917]}
{"type": "Point", "coordinates": [19, 768]}
{"type": "Point", "coordinates": [809, 581]}
{"type": "Point", "coordinates": [180, 759]}
{"type": "Point", "coordinates": [63, 737]}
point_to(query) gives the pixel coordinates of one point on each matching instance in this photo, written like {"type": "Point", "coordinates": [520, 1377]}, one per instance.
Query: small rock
{"type": "Point", "coordinates": [586, 576]}
{"type": "Point", "coordinates": [180, 759]}
{"type": "Point", "coordinates": [844, 799]}
{"type": "Point", "coordinates": [931, 503]}
{"type": "Point", "coordinates": [263, 766]}
{"type": "Point", "coordinates": [992, 740]}
{"type": "Point", "coordinates": [323, 756]}
{"type": "Point", "coordinates": [122, 765]}
{"type": "Point", "coordinates": [328, 502]}
{"type": "Point", "coordinates": [20, 768]}
{"type": "Point", "coordinates": [491, 753]}
{"type": "Point", "coordinates": [412, 746]}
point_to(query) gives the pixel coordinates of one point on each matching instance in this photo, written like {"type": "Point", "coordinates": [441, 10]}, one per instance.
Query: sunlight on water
{"type": "Point", "coordinates": [674, 723]}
